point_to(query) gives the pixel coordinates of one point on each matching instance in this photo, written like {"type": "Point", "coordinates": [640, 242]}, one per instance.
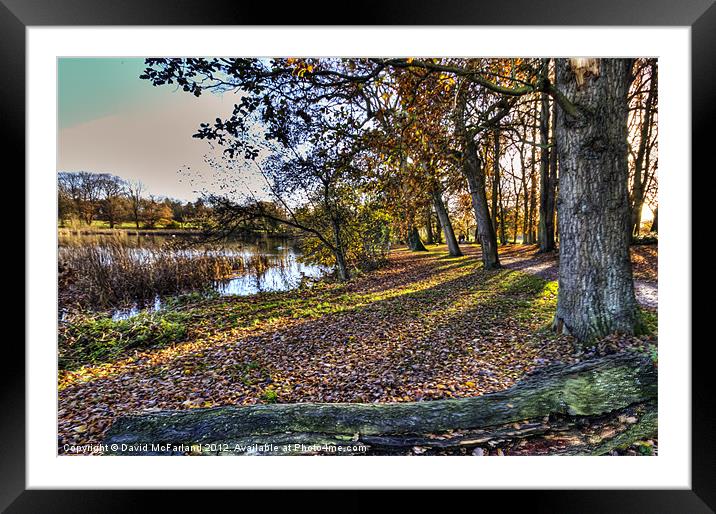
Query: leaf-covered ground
{"type": "Point", "coordinates": [426, 326]}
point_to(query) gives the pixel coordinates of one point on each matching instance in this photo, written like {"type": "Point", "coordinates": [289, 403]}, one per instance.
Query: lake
{"type": "Point", "coordinates": [270, 264]}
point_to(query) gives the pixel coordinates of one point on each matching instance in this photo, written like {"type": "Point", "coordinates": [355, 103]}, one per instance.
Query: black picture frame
{"type": "Point", "coordinates": [700, 15]}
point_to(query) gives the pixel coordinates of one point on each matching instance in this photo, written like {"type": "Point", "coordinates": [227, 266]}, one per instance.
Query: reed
{"type": "Point", "coordinates": [113, 273]}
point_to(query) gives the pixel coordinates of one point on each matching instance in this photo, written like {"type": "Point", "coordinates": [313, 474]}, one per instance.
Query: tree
{"type": "Point", "coordinates": [532, 238]}
{"type": "Point", "coordinates": [430, 238]}
{"type": "Point", "coordinates": [445, 223]}
{"type": "Point", "coordinates": [135, 192]}
{"type": "Point", "coordinates": [596, 289]}
{"type": "Point", "coordinates": [112, 198]}
{"type": "Point", "coordinates": [547, 179]}
{"type": "Point", "coordinates": [65, 206]}
{"type": "Point", "coordinates": [472, 168]}
{"type": "Point", "coordinates": [154, 212]}
{"type": "Point", "coordinates": [655, 223]}
{"type": "Point", "coordinates": [83, 189]}
{"type": "Point", "coordinates": [314, 146]}
{"type": "Point", "coordinates": [596, 294]}
{"type": "Point", "coordinates": [644, 113]}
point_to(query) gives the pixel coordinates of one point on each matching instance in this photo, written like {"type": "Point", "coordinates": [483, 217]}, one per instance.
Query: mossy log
{"type": "Point", "coordinates": [586, 408]}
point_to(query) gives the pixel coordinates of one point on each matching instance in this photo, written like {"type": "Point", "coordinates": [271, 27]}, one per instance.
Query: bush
{"type": "Point", "coordinates": [366, 236]}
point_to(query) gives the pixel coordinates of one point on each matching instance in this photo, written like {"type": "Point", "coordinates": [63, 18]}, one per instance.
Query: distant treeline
{"type": "Point", "coordinates": [87, 199]}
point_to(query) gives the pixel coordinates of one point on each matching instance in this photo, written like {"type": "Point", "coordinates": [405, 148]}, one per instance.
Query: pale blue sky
{"type": "Point", "coordinates": [89, 88]}
{"type": "Point", "coordinates": [110, 121]}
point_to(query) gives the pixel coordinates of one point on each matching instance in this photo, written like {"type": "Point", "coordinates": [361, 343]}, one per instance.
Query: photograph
{"type": "Point", "coordinates": [357, 256]}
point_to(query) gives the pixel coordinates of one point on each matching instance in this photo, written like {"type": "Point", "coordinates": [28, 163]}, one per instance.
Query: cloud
{"type": "Point", "coordinates": [151, 144]}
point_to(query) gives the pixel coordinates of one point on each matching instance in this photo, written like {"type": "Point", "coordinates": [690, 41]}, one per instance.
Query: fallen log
{"type": "Point", "coordinates": [590, 407]}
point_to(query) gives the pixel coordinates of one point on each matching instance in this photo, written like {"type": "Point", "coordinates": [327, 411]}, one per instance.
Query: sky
{"type": "Point", "coordinates": [110, 121]}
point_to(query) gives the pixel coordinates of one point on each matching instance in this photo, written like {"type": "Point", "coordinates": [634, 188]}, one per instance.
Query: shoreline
{"type": "Point", "coordinates": [152, 232]}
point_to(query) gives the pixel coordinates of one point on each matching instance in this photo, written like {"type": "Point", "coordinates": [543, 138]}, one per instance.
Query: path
{"type": "Point", "coordinates": [546, 266]}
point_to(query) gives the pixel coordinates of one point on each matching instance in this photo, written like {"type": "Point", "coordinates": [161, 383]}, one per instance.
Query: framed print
{"type": "Point", "coordinates": [418, 235]}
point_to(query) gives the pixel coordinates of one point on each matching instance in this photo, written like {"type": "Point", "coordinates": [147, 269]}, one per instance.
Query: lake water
{"type": "Point", "coordinates": [281, 269]}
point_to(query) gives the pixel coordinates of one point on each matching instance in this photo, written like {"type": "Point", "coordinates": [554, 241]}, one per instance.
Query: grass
{"type": "Point", "coordinates": [269, 395]}
{"type": "Point", "coordinates": [648, 323]}
{"type": "Point", "coordinates": [94, 340]}
{"type": "Point", "coordinates": [129, 225]}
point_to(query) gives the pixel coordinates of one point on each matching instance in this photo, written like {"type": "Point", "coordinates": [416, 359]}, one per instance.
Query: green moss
{"type": "Point", "coordinates": [644, 448]}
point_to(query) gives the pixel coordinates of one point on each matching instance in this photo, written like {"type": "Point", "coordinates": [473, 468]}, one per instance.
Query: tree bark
{"type": "Point", "coordinates": [596, 288]}
{"type": "Point", "coordinates": [445, 223]}
{"type": "Point", "coordinates": [495, 179]}
{"type": "Point", "coordinates": [338, 252]}
{"type": "Point", "coordinates": [562, 409]}
{"type": "Point", "coordinates": [414, 242]}
{"type": "Point", "coordinates": [553, 179]}
{"type": "Point", "coordinates": [475, 174]}
{"type": "Point", "coordinates": [533, 190]}
{"type": "Point", "coordinates": [472, 168]}
{"type": "Point", "coordinates": [526, 193]}
{"type": "Point", "coordinates": [503, 217]}
{"type": "Point", "coordinates": [655, 223]}
{"type": "Point", "coordinates": [516, 218]}
{"type": "Point", "coordinates": [438, 232]}
{"type": "Point", "coordinates": [430, 239]}
{"type": "Point", "coordinates": [547, 185]}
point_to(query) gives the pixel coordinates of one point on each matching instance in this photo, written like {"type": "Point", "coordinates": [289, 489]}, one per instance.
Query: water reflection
{"type": "Point", "coordinates": [284, 272]}
{"type": "Point", "coordinates": [270, 264]}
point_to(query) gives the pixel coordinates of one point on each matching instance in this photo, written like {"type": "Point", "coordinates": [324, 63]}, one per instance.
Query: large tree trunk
{"type": "Point", "coordinates": [495, 179]}
{"type": "Point", "coordinates": [429, 226]}
{"type": "Point", "coordinates": [338, 252]}
{"type": "Point", "coordinates": [533, 190]}
{"type": "Point", "coordinates": [445, 223]}
{"type": "Point", "coordinates": [596, 288]}
{"type": "Point", "coordinates": [655, 223]}
{"type": "Point", "coordinates": [414, 242]}
{"type": "Point", "coordinates": [547, 183]}
{"type": "Point", "coordinates": [475, 174]}
{"type": "Point", "coordinates": [485, 234]}
{"type": "Point", "coordinates": [438, 232]}
{"type": "Point", "coordinates": [586, 408]}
